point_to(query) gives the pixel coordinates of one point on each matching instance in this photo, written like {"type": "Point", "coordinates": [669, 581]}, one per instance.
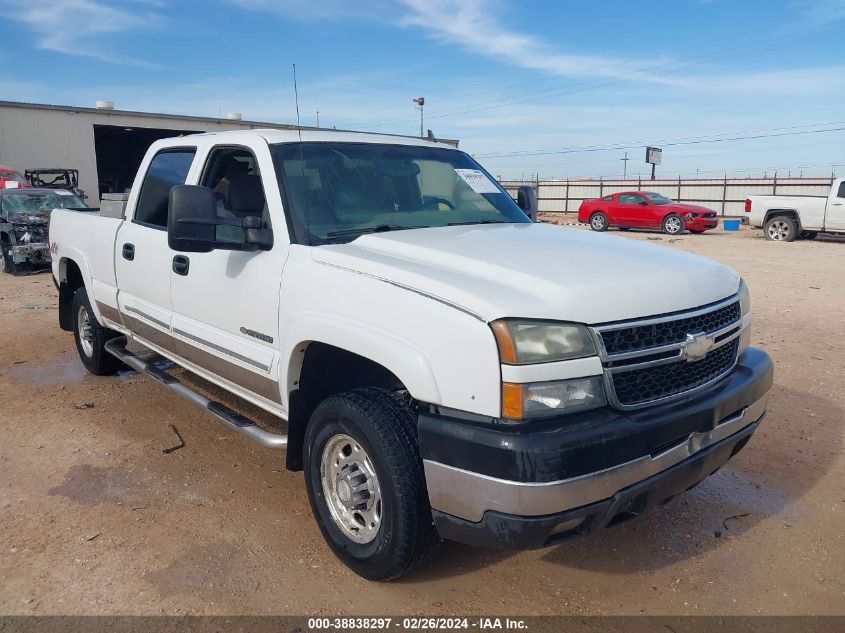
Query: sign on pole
{"type": "Point", "coordinates": [653, 155]}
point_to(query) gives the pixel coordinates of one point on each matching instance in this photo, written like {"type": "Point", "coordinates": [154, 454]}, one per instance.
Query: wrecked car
{"type": "Point", "coordinates": [24, 222]}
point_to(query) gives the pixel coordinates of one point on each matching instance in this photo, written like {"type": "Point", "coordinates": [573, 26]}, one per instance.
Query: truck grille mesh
{"type": "Point", "coordinates": [639, 386]}
{"type": "Point", "coordinates": [641, 337]}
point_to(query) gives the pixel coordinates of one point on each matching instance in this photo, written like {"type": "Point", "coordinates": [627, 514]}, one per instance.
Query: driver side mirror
{"type": "Point", "coordinates": [192, 223]}
{"type": "Point", "coordinates": [526, 199]}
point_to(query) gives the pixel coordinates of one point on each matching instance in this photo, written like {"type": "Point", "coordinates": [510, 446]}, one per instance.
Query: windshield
{"type": "Point", "coordinates": [38, 203]}
{"type": "Point", "coordinates": [339, 191]}
{"type": "Point", "coordinates": [656, 198]}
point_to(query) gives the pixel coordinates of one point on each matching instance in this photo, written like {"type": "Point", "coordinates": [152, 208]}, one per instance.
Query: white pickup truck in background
{"type": "Point", "coordinates": [786, 218]}
{"type": "Point", "coordinates": [445, 367]}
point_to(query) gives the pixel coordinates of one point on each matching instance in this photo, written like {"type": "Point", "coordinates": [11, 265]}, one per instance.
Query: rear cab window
{"type": "Point", "coordinates": [168, 168]}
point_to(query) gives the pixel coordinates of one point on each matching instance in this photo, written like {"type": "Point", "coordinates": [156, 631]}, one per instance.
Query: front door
{"type": "Point", "coordinates": [631, 209]}
{"type": "Point", "coordinates": [834, 218]}
{"type": "Point", "coordinates": [226, 302]}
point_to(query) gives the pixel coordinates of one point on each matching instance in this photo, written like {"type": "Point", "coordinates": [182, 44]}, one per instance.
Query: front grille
{"type": "Point", "coordinates": [649, 361]}
{"type": "Point", "coordinates": [639, 386]}
{"type": "Point", "coordinates": [642, 337]}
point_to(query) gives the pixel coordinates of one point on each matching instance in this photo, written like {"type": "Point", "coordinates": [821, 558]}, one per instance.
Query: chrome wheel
{"type": "Point", "coordinates": [597, 222]}
{"type": "Point", "coordinates": [86, 333]}
{"type": "Point", "coordinates": [351, 488]}
{"type": "Point", "coordinates": [673, 225]}
{"type": "Point", "coordinates": [779, 230]}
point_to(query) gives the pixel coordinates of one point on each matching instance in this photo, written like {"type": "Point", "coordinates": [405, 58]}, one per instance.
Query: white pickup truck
{"type": "Point", "coordinates": [447, 369]}
{"type": "Point", "coordinates": [785, 218]}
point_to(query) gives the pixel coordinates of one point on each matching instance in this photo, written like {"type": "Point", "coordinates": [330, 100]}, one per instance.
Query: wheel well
{"type": "Point", "coordinates": [789, 213]}
{"type": "Point", "coordinates": [69, 283]}
{"type": "Point", "coordinates": [325, 371]}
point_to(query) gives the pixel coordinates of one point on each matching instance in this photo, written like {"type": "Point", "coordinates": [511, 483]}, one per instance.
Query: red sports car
{"type": "Point", "coordinates": [645, 210]}
{"type": "Point", "coordinates": [11, 179]}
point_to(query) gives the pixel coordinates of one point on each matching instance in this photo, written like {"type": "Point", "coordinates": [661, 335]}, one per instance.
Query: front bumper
{"type": "Point", "coordinates": [702, 224]}
{"type": "Point", "coordinates": [546, 481]}
{"type": "Point", "coordinates": [36, 252]}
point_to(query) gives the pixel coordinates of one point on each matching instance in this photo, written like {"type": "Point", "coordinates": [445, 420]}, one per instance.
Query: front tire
{"type": "Point", "coordinates": [598, 221]}
{"type": "Point", "coordinates": [673, 224]}
{"type": "Point", "coordinates": [91, 338]}
{"type": "Point", "coordinates": [781, 228]}
{"type": "Point", "coordinates": [366, 484]}
{"type": "Point", "coordinates": [7, 265]}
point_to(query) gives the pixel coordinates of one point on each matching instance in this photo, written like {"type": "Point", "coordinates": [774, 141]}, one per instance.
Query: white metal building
{"type": "Point", "coordinates": [104, 144]}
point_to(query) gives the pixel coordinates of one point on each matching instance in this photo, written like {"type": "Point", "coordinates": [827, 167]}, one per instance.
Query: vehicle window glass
{"type": "Point", "coordinates": [657, 198]}
{"type": "Point", "coordinates": [841, 193]}
{"type": "Point", "coordinates": [13, 175]}
{"type": "Point", "coordinates": [608, 198]}
{"type": "Point", "coordinates": [629, 198]}
{"type": "Point", "coordinates": [167, 169]}
{"type": "Point", "coordinates": [38, 204]}
{"type": "Point", "coordinates": [338, 191]}
{"type": "Point", "coordinates": [232, 173]}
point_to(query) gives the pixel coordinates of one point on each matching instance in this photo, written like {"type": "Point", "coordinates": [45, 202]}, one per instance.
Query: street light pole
{"type": "Point", "coordinates": [420, 101]}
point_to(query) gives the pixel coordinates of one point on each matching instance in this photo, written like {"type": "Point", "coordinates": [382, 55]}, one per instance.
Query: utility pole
{"type": "Point", "coordinates": [420, 101]}
{"type": "Point", "coordinates": [318, 118]}
{"type": "Point", "coordinates": [625, 166]}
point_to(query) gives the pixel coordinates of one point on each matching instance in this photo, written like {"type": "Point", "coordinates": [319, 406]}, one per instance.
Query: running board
{"type": "Point", "coordinates": [117, 348]}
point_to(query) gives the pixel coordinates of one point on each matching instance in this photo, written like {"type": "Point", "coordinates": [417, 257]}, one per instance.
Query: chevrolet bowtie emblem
{"type": "Point", "coordinates": [697, 345]}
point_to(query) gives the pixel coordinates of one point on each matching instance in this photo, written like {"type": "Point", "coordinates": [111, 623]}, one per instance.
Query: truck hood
{"type": "Point", "coordinates": [537, 271]}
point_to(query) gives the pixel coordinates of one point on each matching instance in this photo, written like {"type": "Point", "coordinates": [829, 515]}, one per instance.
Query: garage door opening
{"type": "Point", "coordinates": [120, 150]}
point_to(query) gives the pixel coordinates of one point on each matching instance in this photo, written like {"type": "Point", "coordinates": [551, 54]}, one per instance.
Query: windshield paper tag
{"type": "Point", "coordinates": [478, 181]}
{"type": "Point", "coordinates": [11, 184]}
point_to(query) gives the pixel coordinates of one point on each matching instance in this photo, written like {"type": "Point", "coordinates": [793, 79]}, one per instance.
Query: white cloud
{"type": "Point", "coordinates": [84, 27]}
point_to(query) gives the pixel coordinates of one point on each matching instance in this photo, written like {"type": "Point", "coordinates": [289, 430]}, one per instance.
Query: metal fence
{"type": "Point", "coordinates": [726, 196]}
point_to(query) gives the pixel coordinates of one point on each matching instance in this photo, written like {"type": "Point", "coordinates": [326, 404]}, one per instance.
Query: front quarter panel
{"type": "Point", "coordinates": [441, 354]}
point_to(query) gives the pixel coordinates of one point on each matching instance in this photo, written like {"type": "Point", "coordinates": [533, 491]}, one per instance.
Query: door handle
{"type": "Point", "coordinates": [181, 265]}
{"type": "Point", "coordinates": [129, 251]}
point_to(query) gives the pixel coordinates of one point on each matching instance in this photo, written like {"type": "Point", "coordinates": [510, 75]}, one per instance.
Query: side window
{"type": "Point", "coordinates": [233, 174]}
{"type": "Point", "coordinates": [608, 199]}
{"type": "Point", "coordinates": [167, 169]}
{"type": "Point", "coordinates": [841, 193]}
{"type": "Point", "coordinates": [629, 198]}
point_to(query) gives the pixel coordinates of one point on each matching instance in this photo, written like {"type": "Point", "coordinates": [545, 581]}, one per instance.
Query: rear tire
{"type": "Point", "coordinates": [673, 224]}
{"type": "Point", "coordinates": [598, 221]}
{"type": "Point", "coordinates": [780, 228]}
{"type": "Point", "coordinates": [366, 484]}
{"type": "Point", "coordinates": [91, 338]}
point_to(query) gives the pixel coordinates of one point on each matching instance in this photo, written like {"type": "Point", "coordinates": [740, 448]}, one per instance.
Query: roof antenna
{"type": "Point", "coordinates": [301, 158]}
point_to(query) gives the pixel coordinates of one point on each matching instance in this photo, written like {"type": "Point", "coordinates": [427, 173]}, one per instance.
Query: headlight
{"type": "Point", "coordinates": [744, 298]}
{"type": "Point", "coordinates": [540, 399]}
{"type": "Point", "coordinates": [524, 342]}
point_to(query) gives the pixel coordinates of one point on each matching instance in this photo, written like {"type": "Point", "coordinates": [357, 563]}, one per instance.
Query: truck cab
{"type": "Point", "coordinates": [442, 372]}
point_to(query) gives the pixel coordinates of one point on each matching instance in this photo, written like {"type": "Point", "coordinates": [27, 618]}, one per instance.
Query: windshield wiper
{"type": "Point", "coordinates": [381, 228]}
{"type": "Point", "coordinates": [478, 222]}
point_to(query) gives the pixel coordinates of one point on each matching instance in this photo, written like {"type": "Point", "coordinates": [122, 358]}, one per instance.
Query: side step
{"type": "Point", "coordinates": [117, 348]}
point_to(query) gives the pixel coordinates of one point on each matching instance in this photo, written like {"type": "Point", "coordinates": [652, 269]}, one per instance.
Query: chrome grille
{"type": "Point", "coordinates": [665, 358]}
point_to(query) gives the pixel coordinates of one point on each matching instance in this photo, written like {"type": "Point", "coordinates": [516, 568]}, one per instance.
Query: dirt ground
{"type": "Point", "coordinates": [94, 518]}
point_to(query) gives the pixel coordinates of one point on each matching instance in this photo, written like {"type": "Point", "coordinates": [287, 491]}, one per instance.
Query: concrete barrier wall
{"type": "Point", "coordinates": [725, 196]}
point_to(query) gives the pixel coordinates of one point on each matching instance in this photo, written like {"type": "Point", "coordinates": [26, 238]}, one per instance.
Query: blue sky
{"type": "Point", "coordinates": [528, 87]}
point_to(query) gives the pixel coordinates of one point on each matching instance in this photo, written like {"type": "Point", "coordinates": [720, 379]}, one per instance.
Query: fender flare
{"type": "Point", "coordinates": [81, 261]}
{"type": "Point", "coordinates": [401, 357]}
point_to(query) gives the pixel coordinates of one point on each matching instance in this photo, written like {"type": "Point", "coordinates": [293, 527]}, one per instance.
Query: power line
{"type": "Point", "coordinates": [716, 138]}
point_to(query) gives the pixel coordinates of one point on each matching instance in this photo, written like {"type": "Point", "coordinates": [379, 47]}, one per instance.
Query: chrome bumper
{"type": "Point", "coordinates": [468, 495]}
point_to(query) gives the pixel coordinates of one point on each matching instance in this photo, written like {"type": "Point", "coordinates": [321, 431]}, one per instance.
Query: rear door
{"type": "Point", "coordinates": [835, 214]}
{"type": "Point", "coordinates": [631, 210]}
{"type": "Point", "coordinates": [226, 302]}
{"type": "Point", "coordinates": [142, 257]}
